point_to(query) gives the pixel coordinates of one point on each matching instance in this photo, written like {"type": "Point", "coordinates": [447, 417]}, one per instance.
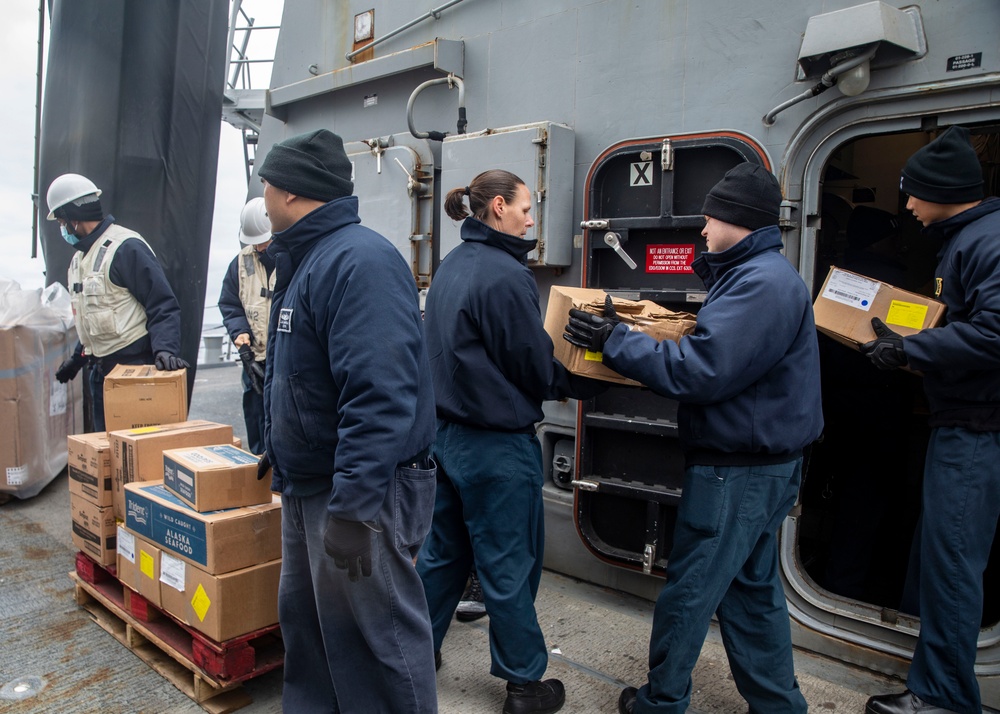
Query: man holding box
{"type": "Point", "coordinates": [349, 421]}
{"type": "Point", "coordinates": [748, 384]}
{"type": "Point", "coordinates": [960, 362]}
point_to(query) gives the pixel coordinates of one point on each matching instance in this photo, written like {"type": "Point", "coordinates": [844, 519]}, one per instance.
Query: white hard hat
{"type": "Point", "coordinates": [255, 228]}
{"type": "Point", "coordinates": [67, 188]}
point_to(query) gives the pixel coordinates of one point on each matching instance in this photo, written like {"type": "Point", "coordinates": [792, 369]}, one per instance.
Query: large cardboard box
{"type": "Point", "coordinates": [218, 541]}
{"type": "Point", "coordinates": [221, 606]}
{"type": "Point", "coordinates": [847, 302]}
{"type": "Point", "coordinates": [644, 315]}
{"type": "Point", "coordinates": [93, 530]}
{"type": "Point", "coordinates": [139, 565]}
{"type": "Point", "coordinates": [210, 478]}
{"type": "Point", "coordinates": [141, 395]}
{"type": "Point", "coordinates": [36, 411]}
{"type": "Point", "coordinates": [137, 454]}
{"type": "Point", "coordinates": [89, 458]}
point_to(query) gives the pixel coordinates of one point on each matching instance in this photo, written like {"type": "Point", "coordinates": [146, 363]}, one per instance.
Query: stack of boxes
{"type": "Point", "coordinates": [175, 508]}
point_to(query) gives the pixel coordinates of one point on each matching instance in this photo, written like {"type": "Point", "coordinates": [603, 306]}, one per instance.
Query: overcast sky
{"type": "Point", "coordinates": [18, 62]}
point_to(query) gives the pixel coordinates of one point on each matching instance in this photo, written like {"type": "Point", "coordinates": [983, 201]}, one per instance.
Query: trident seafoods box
{"type": "Point", "coordinates": [217, 541]}
{"type": "Point", "coordinates": [89, 457]}
{"type": "Point", "coordinates": [137, 454]}
{"type": "Point", "coordinates": [139, 565]}
{"type": "Point", "coordinates": [209, 478]}
{"type": "Point", "coordinates": [93, 529]}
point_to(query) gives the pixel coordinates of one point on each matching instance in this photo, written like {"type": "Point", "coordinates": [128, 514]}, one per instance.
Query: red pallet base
{"type": "Point", "coordinates": [208, 672]}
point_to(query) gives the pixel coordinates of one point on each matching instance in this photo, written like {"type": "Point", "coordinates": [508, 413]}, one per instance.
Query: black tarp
{"type": "Point", "coordinates": [133, 101]}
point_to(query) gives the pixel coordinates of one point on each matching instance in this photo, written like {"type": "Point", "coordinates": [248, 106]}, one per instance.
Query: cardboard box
{"type": "Point", "coordinates": [137, 454]}
{"type": "Point", "coordinates": [89, 457]}
{"type": "Point", "coordinates": [221, 606]}
{"type": "Point", "coordinates": [93, 531]}
{"type": "Point", "coordinates": [237, 442]}
{"type": "Point", "coordinates": [847, 302]}
{"type": "Point", "coordinates": [141, 395]}
{"type": "Point", "coordinates": [210, 478]}
{"type": "Point", "coordinates": [218, 541]}
{"type": "Point", "coordinates": [139, 565]}
{"type": "Point", "coordinates": [36, 411]}
{"type": "Point", "coordinates": [645, 316]}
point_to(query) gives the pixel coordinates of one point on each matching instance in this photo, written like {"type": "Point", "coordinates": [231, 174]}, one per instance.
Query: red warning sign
{"type": "Point", "coordinates": [669, 258]}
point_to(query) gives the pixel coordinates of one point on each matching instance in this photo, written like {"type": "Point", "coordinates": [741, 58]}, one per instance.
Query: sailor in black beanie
{"type": "Point", "coordinates": [960, 362]}
{"type": "Point", "coordinates": [349, 419]}
{"type": "Point", "coordinates": [748, 384]}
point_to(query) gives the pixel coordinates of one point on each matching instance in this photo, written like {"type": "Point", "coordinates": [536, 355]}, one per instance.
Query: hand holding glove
{"type": "Point", "coordinates": [349, 543]}
{"type": "Point", "coordinates": [167, 362]}
{"type": "Point", "coordinates": [253, 368]}
{"type": "Point", "coordinates": [886, 350]}
{"type": "Point", "coordinates": [591, 331]}
{"type": "Point", "coordinates": [263, 466]}
{"type": "Point", "coordinates": [70, 367]}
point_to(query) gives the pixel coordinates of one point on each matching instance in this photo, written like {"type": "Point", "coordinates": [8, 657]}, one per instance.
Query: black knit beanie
{"type": "Point", "coordinates": [947, 170]}
{"type": "Point", "coordinates": [748, 195]}
{"type": "Point", "coordinates": [312, 165]}
{"type": "Point", "coordinates": [87, 208]}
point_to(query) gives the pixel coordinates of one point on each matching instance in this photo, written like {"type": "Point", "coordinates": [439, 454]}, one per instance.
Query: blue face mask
{"type": "Point", "coordinates": [68, 237]}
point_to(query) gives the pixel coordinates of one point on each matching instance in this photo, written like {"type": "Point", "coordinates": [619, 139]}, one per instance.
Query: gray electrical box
{"type": "Point", "coordinates": [393, 180]}
{"type": "Point", "coordinates": [541, 154]}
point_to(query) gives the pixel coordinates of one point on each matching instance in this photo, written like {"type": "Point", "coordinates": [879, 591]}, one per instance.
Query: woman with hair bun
{"type": "Point", "coordinates": [492, 367]}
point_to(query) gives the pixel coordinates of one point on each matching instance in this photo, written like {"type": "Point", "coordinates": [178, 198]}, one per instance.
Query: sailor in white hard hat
{"type": "Point", "coordinates": [245, 304]}
{"type": "Point", "coordinates": [125, 310]}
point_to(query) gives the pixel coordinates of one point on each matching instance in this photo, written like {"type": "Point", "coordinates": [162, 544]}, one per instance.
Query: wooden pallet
{"type": "Point", "coordinates": [208, 672]}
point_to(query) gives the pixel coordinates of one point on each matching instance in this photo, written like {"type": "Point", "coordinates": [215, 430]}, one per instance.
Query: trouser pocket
{"type": "Point", "coordinates": [414, 504]}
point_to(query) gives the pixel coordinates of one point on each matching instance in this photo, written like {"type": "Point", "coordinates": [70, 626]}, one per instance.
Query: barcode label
{"type": "Point", "coordinates": [851, 289]}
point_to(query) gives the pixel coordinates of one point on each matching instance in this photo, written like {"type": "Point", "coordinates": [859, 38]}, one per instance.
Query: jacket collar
{"type": "Point", "coordinates": [475, 231]}
{"type": "Point", "coordinates": [300, 238]}
{"type": "Point", "coordinates": [85, 244]}
{"type": "Point", "coordinates": [711, 266]}
{"type": "Point", "coordinates": [949, 226]}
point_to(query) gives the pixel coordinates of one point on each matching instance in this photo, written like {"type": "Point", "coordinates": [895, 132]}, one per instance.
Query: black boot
{"type": "Point", "coordinates": [903, 703]}
{"type": "Point", "coordinates": [626, 702]}
{"type": "Point", "coordinates": [534, 697]}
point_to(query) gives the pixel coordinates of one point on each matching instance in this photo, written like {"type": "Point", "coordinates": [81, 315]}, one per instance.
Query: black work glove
{"type": "Point", "coordinates": [167, 362]}
{"type": "Point", "coordinates": [255, 373]}
{"type": "Point", "coordinates": [70, 367]}
{"type": "Point", "coordinates": [263, 466]}
{"type": "Point", "coordinates": [349, 543]}
{"type": "Point", "coordinates": [886, 350]}
{"type": "Point", "coordinates": [591, 331]}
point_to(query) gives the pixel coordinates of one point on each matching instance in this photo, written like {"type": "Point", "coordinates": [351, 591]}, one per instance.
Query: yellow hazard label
{"type": "Point", "coordinates": [593, 356]}
{"type": "Point", "coordinates": [201, 603]}
{"type": "Point", "coordinates": [146, 565]}
{"type": "Point", "coordinates": [906, 314]}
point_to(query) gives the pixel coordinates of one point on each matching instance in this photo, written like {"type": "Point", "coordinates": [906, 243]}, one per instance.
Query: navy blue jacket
{"type": "Point", "coordinates": [136, 269]}
{"type": "Point", "coordinates": [961, 359]}
{"type": "Point", "coordinates": [347, 389]}
{"type": "Point", "coordinates": [747, 378]}
{"type": "Point", "coordinates": [490, 355]}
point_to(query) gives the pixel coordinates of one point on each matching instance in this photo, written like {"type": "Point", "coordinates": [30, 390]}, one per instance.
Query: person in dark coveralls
{"type": "Point", "coordinates": [748, 383]}
{"type": "Point", "coordinates": [493, 367]}
{"type": "Point", "coordinates": [960, 362]}
{"type": "Point", "coordinates": [124, 308]}
{"type": "Point", "coordinates": [349, 421]}
{"type": "Point", "coordinates": [245, 304]}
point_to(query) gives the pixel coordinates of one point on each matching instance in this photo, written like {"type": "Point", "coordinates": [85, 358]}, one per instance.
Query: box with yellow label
{"type": "Point", "coordinates": [642, 315]}
{"type": "Point", "coordinates": [221, 606]}
{"type": "Point", "coordinates": [139, 565]}
{"type": "Point", "coordinates": [847, 302]}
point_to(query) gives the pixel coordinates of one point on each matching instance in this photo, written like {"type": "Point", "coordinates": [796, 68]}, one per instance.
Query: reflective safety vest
{"type": "Point", "coordinates": [256, 290]}
{"type": "Point", "coordinates": [108, 317]}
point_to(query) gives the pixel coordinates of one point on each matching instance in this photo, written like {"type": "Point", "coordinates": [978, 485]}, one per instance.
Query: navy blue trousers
{"type": "Point", "coordinates": [725, 561]}
{"type": "Point", "coordinates": [488, 510]}
{"type": "Point", "coordinates": [253, 416]}
{"type": "Point", "coordinates": [961, 504]}
{"type": "Point", "coordinates": [359, 647]}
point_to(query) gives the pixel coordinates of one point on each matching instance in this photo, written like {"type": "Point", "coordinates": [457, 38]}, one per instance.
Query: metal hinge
{"type": "Point", "coordinates": [667, 156]}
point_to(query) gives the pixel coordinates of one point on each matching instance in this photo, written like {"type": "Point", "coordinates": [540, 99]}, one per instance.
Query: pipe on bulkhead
{"type": "Point", "coordinates": [451, 80]}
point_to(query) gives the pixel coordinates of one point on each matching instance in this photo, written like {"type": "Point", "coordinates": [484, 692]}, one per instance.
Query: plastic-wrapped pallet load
{"type": "Point", "coordinates": [36, 335]}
